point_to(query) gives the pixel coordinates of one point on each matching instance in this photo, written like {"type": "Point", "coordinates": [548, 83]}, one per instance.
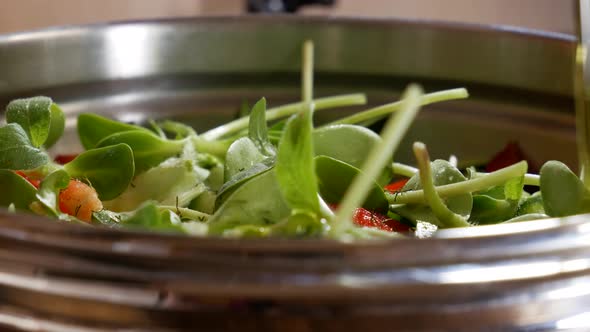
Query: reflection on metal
{"type": "Point", "coordinates": [128, 51]}
{"type": "Point", "coordinates": [581, 321]}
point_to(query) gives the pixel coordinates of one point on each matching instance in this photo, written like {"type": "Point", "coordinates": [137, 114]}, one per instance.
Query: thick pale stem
{"type": "Point", "coordinates": [284, 111]}
{"type": "Point", "coordinates": [379, 156]}
{"type": "Point", "coordinates": [381, 111]}
{"type": "Point", "coordinates": [582, 116]}
{"type": "Point", "coordinates": [529, 179]}
{"type": "Point", "coordinates": [403, 170]}
{"type": "Point", "coordinates": [491, 179]}
{"type": "Point", "coordinates": [307, 72]}
{"type": "Point", "coordinates": [409, 171]}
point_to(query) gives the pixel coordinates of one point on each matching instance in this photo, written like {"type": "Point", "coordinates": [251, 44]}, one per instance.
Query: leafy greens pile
{"type": "Point", "coordinates": [246, 179]}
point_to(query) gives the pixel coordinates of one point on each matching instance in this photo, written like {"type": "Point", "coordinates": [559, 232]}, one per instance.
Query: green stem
{"type": "Point", "coordinates": [445, 216]}
{"type": "Point", "coordinates": [284, 111]}
{"type": "Point", "coordinates": [529, 179]}
{"type": "Point", "coordinates": [381, 111]}
{"type": "Point", "coordinates": [582, 116]}
{"type": "Point", "coordinates": [404, 170]}
{"type": "Point", "coordinates": [491, 179]}
{"type": "Point", "coordinates": [186, 212]}
{"type": "Point", "coordinates": [378, 157]}
{"type": "Point", "coordinates": [217, 148]}
{"type": "Point", "coordinates": [307, 72]}
{"type": "Point", "coordinates": [409, 171]}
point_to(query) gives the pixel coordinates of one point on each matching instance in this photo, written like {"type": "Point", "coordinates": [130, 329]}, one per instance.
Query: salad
{"type": "Point", "coordinates": [269, 173]}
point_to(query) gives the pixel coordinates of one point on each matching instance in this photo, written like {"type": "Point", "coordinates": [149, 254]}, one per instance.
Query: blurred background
{"type": "Point", "coordinates": [550, 15]}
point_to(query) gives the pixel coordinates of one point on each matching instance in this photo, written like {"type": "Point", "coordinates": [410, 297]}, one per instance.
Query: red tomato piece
{"type": "Point", "coordinates": [397, 226]}
{"type": "Point", "coordinates": [511, 154]}
{"type": "Point", "coordinates": [365, 218]}
{"type": "Point", "coordinates": [63, 159]}
{"type": "Point", "coordinates": [32, 180]}
{"type": "Point", "coordinates": [396, 185]}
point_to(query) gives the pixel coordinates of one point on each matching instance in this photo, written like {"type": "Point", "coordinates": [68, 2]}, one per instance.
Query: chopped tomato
{"type": "Point", "coordinates": [32, 180]}
{"type": "Point", "coordinates": [511, 154]}
{"type": "Point", "coordinates": [79, 200]}
{"type": "Point", "coordinates": [365, 218]}
{"type": "Point", "coordinates": [63, 159]}
{"type": "Point", "coordinates": [397, 226]}
{"type": "Point", "coordinates": [396, 185]}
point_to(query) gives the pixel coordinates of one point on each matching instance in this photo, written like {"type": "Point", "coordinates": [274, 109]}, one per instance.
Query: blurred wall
{"type": "Point", "coordinates": [553, 15]}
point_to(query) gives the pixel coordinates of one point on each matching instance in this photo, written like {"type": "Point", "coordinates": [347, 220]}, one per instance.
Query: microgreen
{"type": "Point", "coordinates": [378, 158]}
{"type": "Point", "coordinates": [93, 128]}
{"type": "Point", "coordinates": [16, 191]}
{"type": "Point", "coordinates": [16, 150]}
{"type": "Point", "coordinates": [109, 169]}
{"type": "Point", "coordinates": [563, 192]}
{"type": "Point", "coordinates": [445, 217]}
{"type": "Point", "coordinates": [334, 177]}
{"type": "Point", "coordinates": [41, 119]}
{"type": "Point", "coordinates": [350, 144]}
{"type": "Point", "coordinates": [149, 217]}
{"type": "Point", "coordinates": [442, 173]}
{"type": "Point", "coordinates": [148, 149]}
{"type": "Point", "coordinates": [243, 179]}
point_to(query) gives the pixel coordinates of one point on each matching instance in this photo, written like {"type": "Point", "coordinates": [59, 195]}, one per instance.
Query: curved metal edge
{"type": "Point", "coordinates": [473, 47]}
{"type": "Point", "coordinates": [525, 32]}
{"type": "Point", "coordinates": [495, 242]}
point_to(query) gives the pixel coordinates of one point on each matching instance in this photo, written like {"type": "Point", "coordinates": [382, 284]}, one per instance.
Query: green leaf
{"type": "Point", "coordinates": [205, 202]}
{"type": "Point", "coordinates": [16, 150]}
{"type": "Point", "coordinates": [106, 218]}
{"type": "Point", "coordinates": [498, 203]}
{"type": "Point", "coordinates": [109, 170]}
{"type": "Point", "coordinates": [489, 210]}
{"type": "Point", "coordinates": [246, 152]}
{"type": "Point", "coordinates": [149, 217]}
{"type": "Point", "coordinates": [49, 191]}
{"type": "Point", "coordinates": [33, 115]}
{"type": "Point", "coordinates": [527, 217]}
{"type": "Point", "coordinates": [242, 155]}
{"type": "Point", "coordinates": [242, 177]}
{"type": "Point", "coordinates": [16, 190]}
{"type": "Point", "coordinates": [248, 231]}
{"type": "Point", "coordinates": [350, 144]}
{"type": "Point", "coordinates": [295, 166]}
{"type": "Point", "coordinates": [443, 173]}
{"type": "Point", "coordinates": [176, 130]}
{"type": "Point", "coordinates": [57, 126]}
{"type": "Point", "coordinates": [532, 204]}
{"type": "Point", "coordinates": [93, 128]}
{"type": "Point", "coordinates": [170, 218]}
{"type": "Point", "coordinates": [257, 202]}
{"type": "Point", "coordinates": [300, 225]}
{"type": "Point", "coordinates": [334, 178]}
{"type": "Point", "coordinates": [564, 194]}
{"type": "Point", "coordinates": [175, 182]}
{"type": "Point", "coordinates": [513, 188]}
{"type": "Point", "coordinates": [148, 149]}
{"type": "Point", "coordinates": [258, 131]}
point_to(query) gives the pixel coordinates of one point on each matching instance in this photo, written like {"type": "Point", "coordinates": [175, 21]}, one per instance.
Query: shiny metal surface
{"type": "Point", "coordinates": [493, 56]}
{"type": "Point", "coordinates": [531, 276]}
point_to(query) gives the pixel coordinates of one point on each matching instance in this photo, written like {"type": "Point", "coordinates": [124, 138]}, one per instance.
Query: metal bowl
{"type": "Point", "coordinates": [530, 276]}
